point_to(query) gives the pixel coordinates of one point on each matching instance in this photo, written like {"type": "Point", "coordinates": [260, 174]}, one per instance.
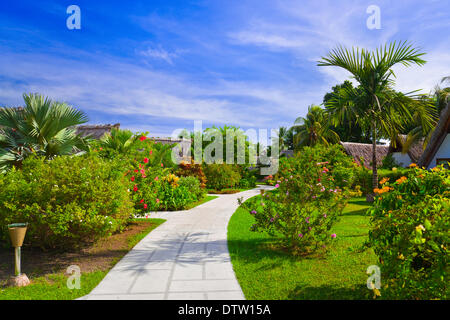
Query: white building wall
{"type": "Point", "coordinates": [401, 158]}
{"type": "Point", "coordinates": [443, 152]}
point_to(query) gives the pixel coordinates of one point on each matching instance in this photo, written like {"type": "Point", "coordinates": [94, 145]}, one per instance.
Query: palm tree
{"type": "Point", "coordinates": [43, 126]}
{"type": "Point", "coordinates": [282, 134]}
{"type": "Point", "coordinates": [118, 140]}
{"type": "Point", "coordinates": [313, 129]}
{"type": "Point", "coordinates": [374, 102]}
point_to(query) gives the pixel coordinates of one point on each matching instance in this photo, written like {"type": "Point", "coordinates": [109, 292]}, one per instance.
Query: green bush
{"type": "Point", "coordinates": [410, 223]}
{"type": "Point", "coordinates": [68, 201]}
{"type": "Point", "coordinates": [221, 176]}
{"type": "Point", "coordinates": [192, 184]}
{"type": "Point", "coordinates": [304, 207]}
{"type": "Point", "coordinates": [341, 166]}
{"type": "Point", "coordinates": [363, 177]}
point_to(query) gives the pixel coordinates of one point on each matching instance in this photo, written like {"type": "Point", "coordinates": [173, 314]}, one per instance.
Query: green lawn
{"type": "Point", "coordinates": [264, 273]}
{"type": "Point", "coordinates": [54, 286]}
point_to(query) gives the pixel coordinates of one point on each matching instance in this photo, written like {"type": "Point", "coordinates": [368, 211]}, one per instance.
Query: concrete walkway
{"type": "Point", "coordinates": [185, 258]}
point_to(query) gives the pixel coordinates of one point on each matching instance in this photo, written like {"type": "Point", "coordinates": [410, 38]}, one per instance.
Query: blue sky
{"type": "Point", "coordinates": [159, 65]}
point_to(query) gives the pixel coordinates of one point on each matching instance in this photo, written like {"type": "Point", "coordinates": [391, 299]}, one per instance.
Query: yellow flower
{"type": "Point", "coordinates": [420, 227]}
{"type": "Point", "coordinates": [394, 169]}
{"type": "Point", "coordinates": [401, 257]}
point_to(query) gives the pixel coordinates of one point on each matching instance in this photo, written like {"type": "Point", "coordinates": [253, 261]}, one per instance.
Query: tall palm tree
{"type": "Point", "coordinates": [374, 102]}
{"type": "Point", "coordinates": [43, 126]}
{"type": "Point", "coordinates": [314, 129]}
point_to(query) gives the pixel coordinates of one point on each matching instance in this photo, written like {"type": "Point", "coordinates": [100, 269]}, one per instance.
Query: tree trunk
{"type": "Point", "coordinates": [374, 156]}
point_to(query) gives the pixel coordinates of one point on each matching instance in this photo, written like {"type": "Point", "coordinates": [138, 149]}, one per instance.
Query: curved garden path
{"type": "Point", "coordinates": [185, 258]}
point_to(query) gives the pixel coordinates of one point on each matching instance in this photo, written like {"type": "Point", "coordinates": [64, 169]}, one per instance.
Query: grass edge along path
{"type": "Point", "coordinates": [54, 286]}
{"type": "Point", "coordinates": [268, 274]}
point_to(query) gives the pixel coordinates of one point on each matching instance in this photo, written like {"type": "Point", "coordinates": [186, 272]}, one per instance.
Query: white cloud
{"type": "Point", "coordinates": [159, 53]}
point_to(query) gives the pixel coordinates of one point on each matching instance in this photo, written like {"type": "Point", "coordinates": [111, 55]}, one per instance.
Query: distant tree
{"type": "Point", "coordinates": [314, 129]}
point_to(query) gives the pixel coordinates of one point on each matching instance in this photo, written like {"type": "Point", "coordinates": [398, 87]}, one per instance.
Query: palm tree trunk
{"type": "Point", "coordinates": [374, 156]}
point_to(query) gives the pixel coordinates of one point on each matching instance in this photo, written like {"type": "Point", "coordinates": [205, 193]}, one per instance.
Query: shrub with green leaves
{"type": "Point", "coordinates": [67, 202]}
{"type": "Point", "coordinates": [221, 176]}
{"type": "Point", "coordinates": [410, 234]}
{"type": "Point", "coordinates": [303, 208]}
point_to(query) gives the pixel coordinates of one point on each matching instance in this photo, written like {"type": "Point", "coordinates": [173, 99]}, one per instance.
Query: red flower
{"type": "Point", "coordinates": [136, 170]}
{"type": "Point", "coordinates": [145, 206]}
{"type": "Point", "coordinates": [135, 188]}
{"type": "Point", "coordinates": [142, 201]}
{"type": "Point", "coordinates": [142, 171]}
{"type": "Point", "coordinates": [151, 151]}
{"type": "Point", "coordinates": [145, 160]}
{"type": "Point", "coordinates": [132, 178]}
{"type": "Point", "coordinates": [142, 138]}
{"type": "Point", "coordinates": [162, 165]}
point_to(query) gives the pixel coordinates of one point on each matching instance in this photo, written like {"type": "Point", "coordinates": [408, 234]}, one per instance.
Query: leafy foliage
{"type": "Point", "coordinates": [410, 223]}
{"type": "Point", "coordinates": [305, 205]}
{"type": "Point", "coordinates": [43, 126]}
{"type": "Point", "coordinates": [221, 176]}
{"type": "Point", "coordinates": [68, 201]}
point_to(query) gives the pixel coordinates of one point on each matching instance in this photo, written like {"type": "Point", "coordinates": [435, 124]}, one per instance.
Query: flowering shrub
{"type": "Point", "coordinates": [303, 208]}
{"type": "Point", "coordinates": [192, 170]}
{"type": "Point", "coordinates": [68, 201]}
{"type": "Point", "coordinates": [340, 165]}
{"type": "Point", "coordinates": [221, 176]}
{"type": "Point", "coordinates": [410, 223]}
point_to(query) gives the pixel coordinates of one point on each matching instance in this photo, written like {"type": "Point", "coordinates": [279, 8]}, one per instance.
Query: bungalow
{"type": "Point", "coordinates": [406, 158]}
{"type": "Point", "coordinates": [362, 152]}
{"type": "Point", "coordinates": [438, 149]}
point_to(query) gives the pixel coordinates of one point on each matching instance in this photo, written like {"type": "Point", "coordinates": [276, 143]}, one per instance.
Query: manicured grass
{"type": "Point", "coordinates": [266, 273]}
{"type": "Point", "coordinates": [202, 201]}
{"type": "Point", "coordinates": [54, 286]}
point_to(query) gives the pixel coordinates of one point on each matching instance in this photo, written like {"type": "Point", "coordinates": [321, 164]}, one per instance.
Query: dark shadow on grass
{"type": "Point", "coordinates": [360, 202]}
{"type": "Point", "coordinates": [330, 292]}
{"type": "Point", "coordinates": [361, 212]}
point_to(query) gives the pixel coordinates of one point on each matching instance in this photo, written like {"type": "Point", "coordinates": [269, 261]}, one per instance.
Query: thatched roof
{"type": "Point", "coordinates": [415, 150]}
{"type": "Point", "coordinates": [96, 131]}
{"type": "Point", "coordinates": [364, 150]}
{"type": "Point", "coordinates": [438, 136]}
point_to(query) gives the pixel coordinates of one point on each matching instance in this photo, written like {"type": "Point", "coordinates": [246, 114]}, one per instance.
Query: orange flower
{"type": "Point", "coordinates": [384, 180]}
{"type": "Point", "coordinates": [413, 165]}
{"type": "Point", "coordinates": [401, 180]}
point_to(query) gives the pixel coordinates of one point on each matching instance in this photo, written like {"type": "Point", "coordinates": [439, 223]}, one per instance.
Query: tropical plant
{"type": "Point", "coordinates": [314, 129]}
{"type": "Point", "coordinates": [305, 205]}
{"type": "Point", "coordinates": [409, 233]}
{"type": "Point", "coordinates": [118, 140]}
{"type": "Point", "coordinates": [348, 131]}
{"type": "Point", "coordinates": [374, 102]}
{"type": "Point", "coordinates": [67, 202]}
{"type": "Point", "coordinates": [43, 126]}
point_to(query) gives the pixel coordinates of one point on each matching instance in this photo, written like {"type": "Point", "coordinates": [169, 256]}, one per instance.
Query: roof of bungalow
{"type": "Point", "coordinates": [415, 150]}
{"type": "Point", "coordinates": [96, 131]}
{"type": "Point", "coordinates": [438, 136]}
{"type": "Point", "coordinates": [364, 150]}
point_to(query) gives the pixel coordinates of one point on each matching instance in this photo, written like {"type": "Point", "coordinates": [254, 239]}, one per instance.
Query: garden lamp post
{"type": "Point", "coordinates": [17, 234]}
